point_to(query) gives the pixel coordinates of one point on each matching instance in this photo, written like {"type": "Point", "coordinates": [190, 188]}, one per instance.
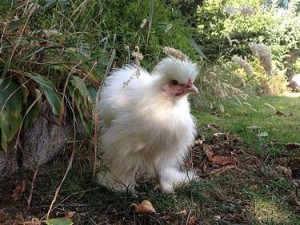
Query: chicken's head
{"type": "Point", "coordinates": [177, 76]}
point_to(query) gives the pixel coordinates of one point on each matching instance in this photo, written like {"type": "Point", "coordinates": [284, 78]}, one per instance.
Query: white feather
{"type": "Point", "coordinates": [142, 128]}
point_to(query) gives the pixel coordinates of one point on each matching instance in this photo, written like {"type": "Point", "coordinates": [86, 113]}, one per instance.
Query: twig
{"type": "Point", "coordinates": [32, 187]}
{"type": "Point", "coordinates": [58, 189]}
{"type": "Point", "coordinates": [95, 137]}
{"type": "Point", "coordinates": [188, 218]}
{"type": "Point", "coordinates": [150, 21]}
{"type": "Point", "coordinates": [76, 193]}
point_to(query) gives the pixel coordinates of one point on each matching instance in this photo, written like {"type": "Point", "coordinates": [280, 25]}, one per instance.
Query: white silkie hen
{"type": "Point", "coordinates": [146, 123]}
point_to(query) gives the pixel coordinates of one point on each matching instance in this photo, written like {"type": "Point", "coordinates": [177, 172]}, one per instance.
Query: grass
{"type": "Point", "coordinates": [253, 193]}
{"type": "Point", "coordinates": [276, 116]}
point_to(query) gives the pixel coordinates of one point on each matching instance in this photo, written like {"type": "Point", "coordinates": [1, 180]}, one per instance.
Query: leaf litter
{"type": "Point", "coordinates": [145, 207]}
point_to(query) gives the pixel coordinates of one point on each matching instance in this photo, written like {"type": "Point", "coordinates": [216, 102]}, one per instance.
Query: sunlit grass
{"type": "Point", "coordinates": [276, 118]}
{"type": "Point", "coordinates": [269, 212]}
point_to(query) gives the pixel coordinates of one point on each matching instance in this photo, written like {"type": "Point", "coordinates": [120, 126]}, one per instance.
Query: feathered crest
{"type": "Point", "coordinates": [175, 53]}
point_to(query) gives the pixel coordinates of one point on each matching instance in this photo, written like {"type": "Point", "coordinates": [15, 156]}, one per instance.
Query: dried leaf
{"type": "Point", "coordinates": [224, 160]}
{"type": "Point", "coordinates": [296, 183]}
{"type": "Point", "coordinates": [17, 193]}
{"type": "Point", "coordinates": [221, 170]}
{"type": "Point", "coordinates": [219, 136]}
{"type": "Point", "coordinates": [293, 200]}
{"type": "Point", "coordinates": [183, 212]}
{"type": "Point", "coordinates": [145, 207]}
{"type": "Point", "coordinates": [69, 214]}
{"type": "Point", "coordinates": [192, 220]}
{"type": "Point", "coordinates": [213, 127]}
{"type": "Point", "coordinates": [198, 142]}
{"type": "Point", "coordinates": [208, 151]}
{"type": "Point", "coordinates": [217, 217]}
{"type": "Point", "coordinates": [284, 170]}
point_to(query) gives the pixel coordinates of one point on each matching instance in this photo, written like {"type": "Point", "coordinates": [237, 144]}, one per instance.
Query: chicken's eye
{"type": "Point", "coordinates": [174, 82]}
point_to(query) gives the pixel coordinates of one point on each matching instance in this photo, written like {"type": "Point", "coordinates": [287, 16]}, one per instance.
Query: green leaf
{"type": "Point", "coordinates": [59, 221]}
{"type": "Point", "coordinates": [50, 92]}
{"type": "Point", "coordinates": [10, 111]}
{"type": "Point", "coordinates": [93, 94]}
{"type": "Point", "coordinates": [82, 99]}
{"type": "Point", "coordinates": [80, 86]}
{"type": "Point", "coordinates": [32, 112]}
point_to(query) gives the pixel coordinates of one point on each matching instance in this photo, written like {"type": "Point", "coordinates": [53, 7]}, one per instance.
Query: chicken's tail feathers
{"type": "Point", "coordinates": [175, 53]}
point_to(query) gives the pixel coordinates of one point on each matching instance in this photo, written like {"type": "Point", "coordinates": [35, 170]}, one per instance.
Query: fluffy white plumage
{"type": "Point", "coordinates": [146, 123]}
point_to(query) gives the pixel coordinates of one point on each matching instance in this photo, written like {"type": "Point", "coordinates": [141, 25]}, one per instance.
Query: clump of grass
{"type": "Point", "coordinates": [243, 64]}
{"type": "Point", "coordinates": [217, 83]}
{"type": "Point", "coordinates": [277, 84]}
{"type": "Point", "coordinates": [264, 54]}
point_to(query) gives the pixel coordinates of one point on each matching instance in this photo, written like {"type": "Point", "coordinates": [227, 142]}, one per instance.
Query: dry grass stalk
{"type": "Point", "coordinates": [243, 64]}
{"type": "Point", "coordinates": [175, 53]}
{"type": "Point", "coordinates": [265, 57]}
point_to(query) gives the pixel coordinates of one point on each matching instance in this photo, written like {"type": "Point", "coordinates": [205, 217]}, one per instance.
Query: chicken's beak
{"type": "Point", "coordinates": [191, 89]}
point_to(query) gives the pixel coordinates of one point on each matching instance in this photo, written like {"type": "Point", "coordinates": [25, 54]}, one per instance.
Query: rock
{"type": "Point", "coordinates": [8, 162]}
{"type": "Point", "coordinates": [40, 144]}
{"type": "Point", "coordinates": [43, 142]}
{"type": "Point", "coordinates": [294, 82]}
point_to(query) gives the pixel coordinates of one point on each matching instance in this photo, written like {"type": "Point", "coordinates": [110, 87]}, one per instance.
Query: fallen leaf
{"type": "Point", "coordinates": [296, 183]}
{"type": "Point", "coordinates": [208, 151]}
{"type": "Point", "coordinates": [191, 220]}
{"type": "Point", "coordinates": [69, 214]}
{"type": "Point", "coordinates": [217, 217]}
{"type": "Point", "coordinates": [33, 221]}
{"type": "Point", "coordinates": [219, 136]}
{"type": "Point", "coordinates": [198, 142]}
{"type": "Point", "coordinates": [59, 221]}
{"type": "Point", "coordinates": [17, 193]}
{"type": "Point", "coordinates": [145, 207]}
{"type": "Point", "coordinates": [221, 170]}
{"type": "Point", "coordinates": [217, 159]}
{"type": "Point", "coordinates": [213, 127]}
{"type": "Point", "coordinates": [223, 160]}
{"type": "Point", "coordinates": [286, 171]}
{"type": "Point", "coordinates": [183, 212]}
{"type": "Point", "coordinates": [293, 199]}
